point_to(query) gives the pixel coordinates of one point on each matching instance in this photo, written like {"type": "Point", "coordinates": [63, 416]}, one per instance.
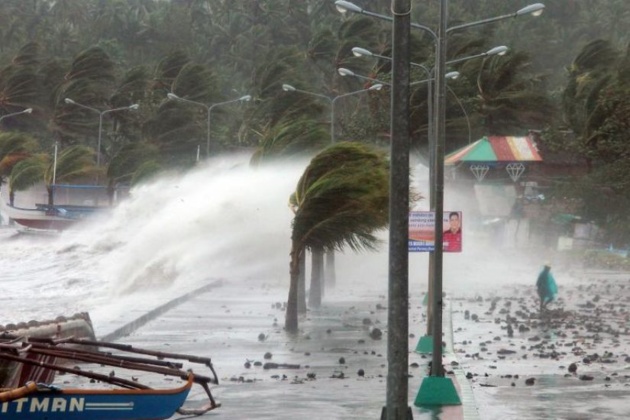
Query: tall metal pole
{"type": "Point", "coordinates": [332, 119]}
{"type": "Point", "coordinates": [100, 122]}
{"type": "Point", "coordinates": [98, 143]}
{"type": "Point", "coordinates": [440, 131]}
{"type": "Point", "coordinates": [431, 131]}
{"type": "Point", "coordinates": [208, 133]}
{"type": "Point", "coordinates": [209, 110]}
{"type": "Point", "coordinates": [398, 306]}
{"type": "Point", "coordinates": [54, 178]}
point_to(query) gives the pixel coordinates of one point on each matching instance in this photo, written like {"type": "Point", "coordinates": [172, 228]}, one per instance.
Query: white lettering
{"type": "Point", "coordinates": [77, 404]}
{"type": "Point", "coordinates": [58, 404]}
{"type": "Point", "coordinates": [20, 403]}
{"type": "Point", "coordinates": [43, 405]}
{"type": "Point", "coordinates": [37, 405]}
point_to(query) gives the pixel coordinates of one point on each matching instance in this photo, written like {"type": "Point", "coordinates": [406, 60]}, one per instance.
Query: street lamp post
{"type": "Point", "coordinates": [346, 72]}
{"type": "Point", "coordinates": [100, 121]}
{"type": "Point", "coordinates": [500, 50]}
{"type": "Point", "coordinates": [332, 101]}
{"type": "Point", "coordinates": [425, 344]}
{"type": "Point", "coordinates": [209, 109]}
{"type": "Point", "coordinates": [436, 389]}
{"type": "Point", "coordinates": [13, 114]}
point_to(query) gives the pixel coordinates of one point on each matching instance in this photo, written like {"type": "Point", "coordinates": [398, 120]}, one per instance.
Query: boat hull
{"type": "Point", "coordinates": [77, 404]}
{"type": "Point", "coordinates": [38, 218]}
{"type": "Point", "coordinates": [47, 217]}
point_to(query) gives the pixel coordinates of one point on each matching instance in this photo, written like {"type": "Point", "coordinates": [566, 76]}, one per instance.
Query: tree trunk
{"type": "Point", "coordinates": [51, 195]}
{"type": "Point", "coordinates": [291, 316]}
{"type": "Point", "coordinates": [315, 295]}
{"type": "Point", "coordinates": [111, 191]}
{"type": "Point", "coordinates": [330, 275]}
{"type": "Point", "coordinates": [302, 284]}
{"type": "Point", "coordinates": [11, 197]}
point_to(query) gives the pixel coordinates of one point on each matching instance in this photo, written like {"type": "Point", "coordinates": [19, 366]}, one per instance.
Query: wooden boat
{"type": "Point", "coordinates": [46, 402]}
{"type": "Point", "coordinates": [49, 217]}
{"type": "Point", "coordinates": [73, 204]}
{"type": "Point", "coordinates": [67, 203]}
{"type": "Point", "coordinates": [125, 399]}
{"type": "Point", "coordinates": [41, 217]}
{"type": "Point", "coordinates": [14, 374]}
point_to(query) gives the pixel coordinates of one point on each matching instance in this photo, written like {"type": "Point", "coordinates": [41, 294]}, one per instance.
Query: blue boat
{"type": "Point", "coordinates": [116, 398]}
{"type": "Point", "coordinates": [46, 402]}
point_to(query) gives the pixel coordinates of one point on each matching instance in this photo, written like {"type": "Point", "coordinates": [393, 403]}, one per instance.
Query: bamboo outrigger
{"type": "Point", "coordinates": [131, 400]}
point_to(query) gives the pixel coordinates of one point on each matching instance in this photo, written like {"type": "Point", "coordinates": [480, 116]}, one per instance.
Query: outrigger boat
{"type": "Point", "coordinates": [12, 374]}
{"type": "Point", "coordinates": [130, 399]}
{"type": "Point", "coordinates": [49, 217]}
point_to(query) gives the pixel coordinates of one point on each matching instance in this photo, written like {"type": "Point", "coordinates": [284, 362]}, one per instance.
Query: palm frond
{"type": "Point", "coordinates": [28, 172]}
{"type": "Point", "coordinates": [342, 198]}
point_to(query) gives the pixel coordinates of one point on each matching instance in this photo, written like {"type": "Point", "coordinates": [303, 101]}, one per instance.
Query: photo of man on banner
{"type": "Point", "coordinates": [422, 231]}
{"type": "Point", "coordinates": [452, 237]}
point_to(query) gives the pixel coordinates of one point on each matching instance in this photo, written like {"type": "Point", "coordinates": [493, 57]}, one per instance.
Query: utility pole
{"type": "Point", "coordinates": [398, 302]}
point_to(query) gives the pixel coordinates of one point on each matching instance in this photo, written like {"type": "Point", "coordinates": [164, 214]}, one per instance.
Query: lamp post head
{"type": "Point", "coordinates": [69, 101]}
{"type": "Point", "coordinates": [344, 6]}
{"type": "Point", "coordinates": [535, 9]}
{"type": "Point", "coordinates": [245, 98]}
{"type": "Point", "coordinates": [172, 96]}
{"type": "Point", "coordinates": [377, 86]}
{"type": "Point", "coordinates": [288, 88]}
{"type": "Point", "coordinates": [501, 50]}
{"type": "Point", "coordinates": [28, 110]}
{"type": "Point", "coordinates": [134, 107]}
{"type": "Point", "coordinates": [452, 75]}
{"type": "Point", "coordinates": [358, 52]}
{"type": "Point", "coordinates": [345, 72]}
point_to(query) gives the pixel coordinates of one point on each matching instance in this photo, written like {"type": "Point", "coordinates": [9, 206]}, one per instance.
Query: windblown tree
{"type": "Point", "coordinates": [14, 147]}
{"type": "Point", "coordinates": [179, 128]}
{"type": "Point", "coordinates": [511, 98]}
{"type": "Point", "coordinates": [597, 106]}
{"type": "Point", "coordinates": [341, 200]}
{"type": "Point", "coordinates": [73, 163]}
{"type": "Point", "coordinates": [19, 82]}
{"type": "Point", "coordinates": [134, 161]}
{"type": "Point", "coordinates": [291, 138]}
{"type": "Point", "coordinates": [90, 82]}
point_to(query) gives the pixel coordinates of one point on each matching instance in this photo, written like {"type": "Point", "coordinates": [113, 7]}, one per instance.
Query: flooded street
{"type": "Point", "coordinates": [225, 248]}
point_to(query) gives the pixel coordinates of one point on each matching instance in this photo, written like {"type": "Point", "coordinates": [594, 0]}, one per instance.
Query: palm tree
{"type": "Point", "coordinates": [511, 99]}
{"type": "Point", "coordinates": [291, 137]}
{"type": "Point", "coordinates": [90, 82]}
{"type": "Point", "coordinates": [72, 163]}
{"type": "Point", "coordinates": [589, 73]}
{"type": "Point", "coordinates": [131, 164]}
{"type": "Point", "coordinates": [341, 199]}
{"type": "Point", "coordinates": [14, 147]}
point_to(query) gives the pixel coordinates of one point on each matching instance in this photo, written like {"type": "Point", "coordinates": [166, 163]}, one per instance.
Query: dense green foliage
{"type": "Point", "coordinates": [341, 199]}
{"type": "Point", "coordinates": [565, 71]}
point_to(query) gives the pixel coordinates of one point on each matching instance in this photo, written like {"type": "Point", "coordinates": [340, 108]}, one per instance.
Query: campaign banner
{"type": "Point", "coordinates": [422, 231]}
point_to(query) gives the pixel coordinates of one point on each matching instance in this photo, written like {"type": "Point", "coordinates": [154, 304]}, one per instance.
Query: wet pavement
{"type": "Point", "coordinates": [572, 363]}
{"type": "Point", "coordinates": [336, 367]}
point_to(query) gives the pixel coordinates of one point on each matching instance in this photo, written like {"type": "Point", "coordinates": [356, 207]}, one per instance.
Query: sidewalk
{"type": "Point", "coordinates": [342, 369]}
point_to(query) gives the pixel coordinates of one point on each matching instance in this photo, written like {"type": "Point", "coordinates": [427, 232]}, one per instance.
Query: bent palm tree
{"type": "Point", "coordinates": [73, 162]}
{"type": "Point", "coordinates": [341, 199]}
{"type": "Point", "coordinates": [14, 147]}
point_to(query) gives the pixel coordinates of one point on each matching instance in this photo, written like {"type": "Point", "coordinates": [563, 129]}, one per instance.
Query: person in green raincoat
{"type": "Point", "coordinates": [546, 287]}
